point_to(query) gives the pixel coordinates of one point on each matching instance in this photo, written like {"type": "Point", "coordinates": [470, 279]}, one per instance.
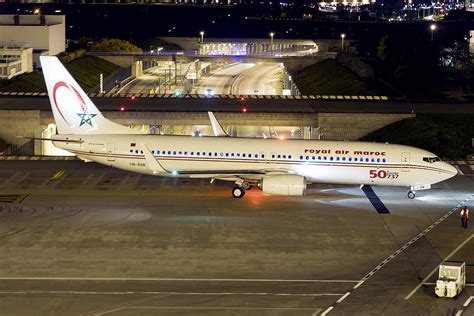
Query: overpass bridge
{"type": "Point", "coordinates": [297, 117]}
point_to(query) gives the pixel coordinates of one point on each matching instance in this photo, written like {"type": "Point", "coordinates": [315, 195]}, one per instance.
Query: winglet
{"type": "Point", "coordinates": [216, 126]}
{"type": "Point", "coordinates": [153, 164]}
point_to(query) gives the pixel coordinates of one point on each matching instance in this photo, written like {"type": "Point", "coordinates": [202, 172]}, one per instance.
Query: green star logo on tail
{"type": "Point", "coordinates": [86, 118]}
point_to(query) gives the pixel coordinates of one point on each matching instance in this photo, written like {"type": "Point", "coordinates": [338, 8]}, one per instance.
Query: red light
{"type": "Point", "coordinates": [133, 97]}
{"type": "Point", "coordinates": [244, 110]}
{"type": "Point", "coordinates": [122, 109]}
{"type": "Point", "coordinates": [242, 99]}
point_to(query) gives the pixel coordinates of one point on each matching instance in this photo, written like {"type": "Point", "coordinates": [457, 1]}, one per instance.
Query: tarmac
{"type": "Point", "coordinates": [84, 239]}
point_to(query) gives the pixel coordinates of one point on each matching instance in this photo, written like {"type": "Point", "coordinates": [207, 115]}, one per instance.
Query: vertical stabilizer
{"type": "Point", "coordinates": [74, 112]}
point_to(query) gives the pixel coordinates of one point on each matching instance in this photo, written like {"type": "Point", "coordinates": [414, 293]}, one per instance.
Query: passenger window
{"type": "Point", "coordinates": [215, 154]}
{"type": "Point", "coordinates": [174, 152]}
{"type": "Point", "coordinates": [366, 159]}
{"type": "Point", "coordinates": [210, 154]}
{"type": "Point", "coordinates": [378, 159]}
{"type": "Point", "coordinates": [319, 157]}
{"type": "Point", "coordinates": [279, 156]}
{"type": "Point", "coordinates": [350, 158]}
{"type": "Point", "coordinates": [131, 150]}
{"type": "Point", "coordinates": [355, 159]}
{"type": "Point", "coordinates": [289, 157]}
{"type": "Point", "coordinates": [273, 156]}
{"type": "Point", "coordinates": [263, 156]}
{"type": "Point", "coordinates": [141, 151]}
{"type": "Point", "coordinates": [343, 158]}
{"type": "Point", "coordinates": [307, 157]}
{"type": "Point", "coordinates": [169, 152]}
{"type": "Point", "coordinates": [337, 158]}
{"type": "Point", "coordinates": [227, 154]}
{"type": "Point", "coordinates": [331, 158]}
{"type": "Point", "coordinates": [373, 160]}
{"type": "Point", "coordinates": [192, 153]}
{"type": "Point", "coordinates": [243, 155]}
{"type": "Point", "coordinates": [301, 157]}
{"type": "Point", "coordinates": [383, 160]}
{"type": "Point", "coordinates": [238, 154]}
{"type": "Point", "coordinates": [284, 156]}
{"type": "Point", "coordinates": [157, 152]}
{"type": "Point", "coordinates": [313, 157]}
{"type": "Point", "coordinates": [256, 156]}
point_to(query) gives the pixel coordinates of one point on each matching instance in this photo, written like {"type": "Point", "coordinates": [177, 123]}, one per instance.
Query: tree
{"type": "Point", "coordinates": [382, 48]}
{"type": "Point", "coordinates": [114, 45]}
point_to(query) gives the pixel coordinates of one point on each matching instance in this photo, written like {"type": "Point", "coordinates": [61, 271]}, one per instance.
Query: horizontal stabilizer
{"type": "Point", "coordinates": [54, 140]}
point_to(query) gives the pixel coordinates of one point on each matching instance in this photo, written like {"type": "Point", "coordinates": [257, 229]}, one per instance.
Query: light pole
{"type": "Point", "coordinates": [271, 42]}
{"type": "Point", "coordinates": [432, 28]}
{"type": "Point", "coordinates": [202, 37]}
{"type": "Point", "coordinates": [343, 36]}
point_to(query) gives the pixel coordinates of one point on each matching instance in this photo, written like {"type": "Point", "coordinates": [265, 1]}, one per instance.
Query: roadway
{"type": "Point", "coordinates": [150, 80]}
{"type": "Point", "coordinates": [245, 79]}
{"type": "Point", "coordinates": [92, 240]}
{"type": "Point", "coordinates": [160, 79]}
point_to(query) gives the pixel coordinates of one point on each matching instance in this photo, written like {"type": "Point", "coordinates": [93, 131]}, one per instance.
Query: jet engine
{"type": "Point", "coordinates": [286, 184]}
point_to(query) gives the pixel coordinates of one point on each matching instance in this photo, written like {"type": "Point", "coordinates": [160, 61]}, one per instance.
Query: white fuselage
{"type": "Point", "coordinates": [225, 157]}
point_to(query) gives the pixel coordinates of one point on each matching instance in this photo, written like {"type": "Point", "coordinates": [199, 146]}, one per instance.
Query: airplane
{"type": "Point", "coordinates": [276, 166]}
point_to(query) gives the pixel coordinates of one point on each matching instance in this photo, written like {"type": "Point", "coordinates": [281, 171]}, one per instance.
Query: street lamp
{"type": "Point", "coordinates": [202, 37]}
{"type": "Point", "coordinates": [271, 41]}
{"type": "Point", "coordinates": [432, 28]}
{"type": "Point", "coordinates": [343, 36]}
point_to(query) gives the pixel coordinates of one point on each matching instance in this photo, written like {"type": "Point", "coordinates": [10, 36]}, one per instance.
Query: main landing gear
{"type": "Point", "coordinates": [238, 192]}
{"type": "Point", "coordinates": [411, 194]}
{"type": "Point", "coordinates": [239, 189]}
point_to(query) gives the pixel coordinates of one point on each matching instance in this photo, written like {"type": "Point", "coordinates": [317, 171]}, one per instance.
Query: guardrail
{"type": "Point", "coordinates": [216, 96]}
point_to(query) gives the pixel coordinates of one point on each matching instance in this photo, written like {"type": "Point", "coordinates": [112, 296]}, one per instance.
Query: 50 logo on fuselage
{"type": "Point", "coordinates": [382, 174]}
{"type": "Point", "coordinates": [85, 116]}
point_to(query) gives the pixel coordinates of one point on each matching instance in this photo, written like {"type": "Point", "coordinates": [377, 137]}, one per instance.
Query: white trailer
{"type": "Point", "coordinates": [451, 279]}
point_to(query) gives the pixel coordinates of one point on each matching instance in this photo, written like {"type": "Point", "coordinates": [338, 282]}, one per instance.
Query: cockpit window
{"type": "Point", "coordinates": [431, 159]}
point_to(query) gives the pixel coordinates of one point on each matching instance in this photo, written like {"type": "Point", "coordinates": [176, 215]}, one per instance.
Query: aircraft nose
{"type": "Point", "coordinates": [449, 168]}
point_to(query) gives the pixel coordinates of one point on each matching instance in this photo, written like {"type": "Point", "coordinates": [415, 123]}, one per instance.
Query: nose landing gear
{"type": "Point", "coordinates": [411, 194]}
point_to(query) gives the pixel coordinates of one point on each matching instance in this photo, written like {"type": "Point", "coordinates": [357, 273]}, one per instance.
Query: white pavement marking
{"type": "Point", "coordinates": [330, 308]}
{"type": "Point", "coordinates": [172, 293]}
{"type": "Point", "coordinates": [466, 304]}
{"type": "Point", "coordinates": [435, 269]}
{"type": "Point", "coordinates": [212, 308]}
{"type": "Point", "coordinates": [468, 301]}
{"type": "Point", "coordinates": [459, 170]}
{"type": "Point", "coordinates": [343, 297]}
{"type": "Point", "coordinates": [396, 253]}
{"type": "Point", "coordinates": [172, 279]}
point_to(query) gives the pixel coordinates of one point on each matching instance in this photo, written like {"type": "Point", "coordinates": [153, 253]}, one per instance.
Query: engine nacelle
{"type": "Point", "coordinates": [286, 184]}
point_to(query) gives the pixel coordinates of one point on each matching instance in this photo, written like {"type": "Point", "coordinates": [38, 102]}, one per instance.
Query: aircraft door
{"type": "Point", "coordinates": [110, 152]}
{"type": "Point", "coordinates": [405, 162]}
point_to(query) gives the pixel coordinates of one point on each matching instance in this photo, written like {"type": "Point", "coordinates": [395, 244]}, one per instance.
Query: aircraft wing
{"type": "Point", "coordinates": [229, 175]}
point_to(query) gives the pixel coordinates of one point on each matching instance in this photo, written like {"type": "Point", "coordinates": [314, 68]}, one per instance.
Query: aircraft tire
{"type": "Point", "coordinates": [238, 192]}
